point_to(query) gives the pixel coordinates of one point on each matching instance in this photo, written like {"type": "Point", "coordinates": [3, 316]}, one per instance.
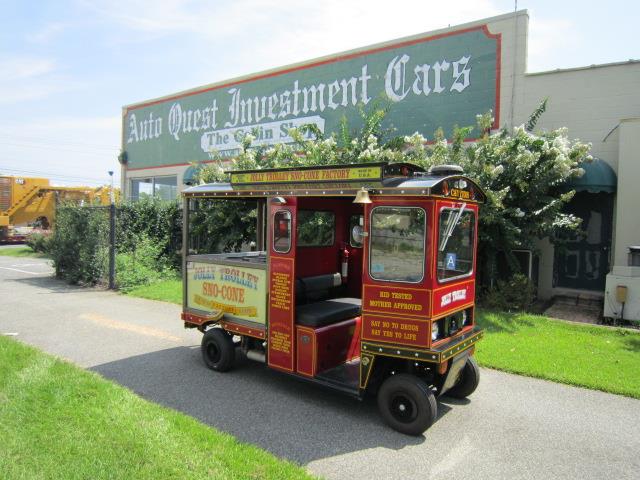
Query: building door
{"type": "Point", "coordinates": [585, 262]}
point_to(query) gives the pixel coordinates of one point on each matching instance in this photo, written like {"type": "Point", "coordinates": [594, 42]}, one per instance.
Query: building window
{"type": "Point", "coordinates": [164, 188]}
{"type": "Point", "coordinates": [397, 244]}
{"type": "Point", "coordinates": [141, 188]}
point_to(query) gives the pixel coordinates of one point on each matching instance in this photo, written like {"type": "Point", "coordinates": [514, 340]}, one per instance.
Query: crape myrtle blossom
{"type": "Point", "coordinates": [524, 174]}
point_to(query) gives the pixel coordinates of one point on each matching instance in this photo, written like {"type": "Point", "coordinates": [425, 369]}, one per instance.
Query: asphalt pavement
{"type": "Point", "coordinates": [511, 427]}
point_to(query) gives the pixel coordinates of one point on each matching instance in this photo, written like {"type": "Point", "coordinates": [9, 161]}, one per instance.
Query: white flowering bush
{"type": "Point", "coordinates": [524, 174]}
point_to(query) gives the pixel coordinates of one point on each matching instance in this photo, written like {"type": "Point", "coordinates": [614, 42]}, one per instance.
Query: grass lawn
{"type": "Point", "coordinates": [166, 291]}
{"type": "Point", "coordinates": [20, 252]}
{"type": "Point", "coordinates": [58, 421]}
{"type": "Point", "coordinates": [601, 358]}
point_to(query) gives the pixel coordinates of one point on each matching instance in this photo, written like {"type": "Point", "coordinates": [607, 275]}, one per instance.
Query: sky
{"type": "Point", "coordinates": [67, 67]}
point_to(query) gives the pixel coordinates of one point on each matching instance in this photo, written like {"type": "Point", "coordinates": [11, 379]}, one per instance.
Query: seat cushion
{"type": "Point", "coordinates": [316, 288]}
{"type": "Point", "coordinates": [320, 314]}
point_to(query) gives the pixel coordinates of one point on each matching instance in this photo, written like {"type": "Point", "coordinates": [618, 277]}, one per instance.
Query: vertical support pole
{"type": "Point", "coordinates": [265, 222]}
{"type": "Point", "coordinates": [185, 248]}
{"type": "Point", "coordinates": [112, 246]}
{"type": "Point", "coordinates": [260, 224]}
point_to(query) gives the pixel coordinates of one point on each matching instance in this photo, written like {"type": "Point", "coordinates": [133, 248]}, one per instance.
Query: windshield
{"type": "Point", "coordinates": [452, 221]}
{"type": "Point", "coordinates": [456, 240]}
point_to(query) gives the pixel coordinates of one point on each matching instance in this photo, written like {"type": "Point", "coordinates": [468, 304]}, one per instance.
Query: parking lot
{"type": "Point", "coordinates": [512, 427]}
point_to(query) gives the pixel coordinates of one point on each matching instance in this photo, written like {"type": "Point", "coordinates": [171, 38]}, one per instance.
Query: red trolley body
{"type": "Point", "coordinates": [362, 279]}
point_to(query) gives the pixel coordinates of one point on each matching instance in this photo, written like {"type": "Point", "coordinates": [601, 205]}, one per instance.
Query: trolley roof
{"type": "Point", "coordinates": [345, 180]}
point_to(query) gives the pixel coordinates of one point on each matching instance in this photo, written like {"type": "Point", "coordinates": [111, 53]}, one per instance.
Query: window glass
{"type": "Point", "coordinates": [315, 229]}
{"type": "Point", "coordinates": [282, 231]}
{"type": "Point", "coordinates": [166, 188]}
{"type": "Point", "coordinates": [455, 243]}
{"type": "Point", "coordinates": [141, 188]}
{"type": "Point", "coordinates": [397, 244]}
{"type": "Point", "coordinates": [356, 229]}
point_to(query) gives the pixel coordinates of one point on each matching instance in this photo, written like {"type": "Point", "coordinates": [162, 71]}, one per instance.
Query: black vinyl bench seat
{"type": "Point", "coordinates": [315, 308]}
{"type": "Point", "coordinates": [327, 312]}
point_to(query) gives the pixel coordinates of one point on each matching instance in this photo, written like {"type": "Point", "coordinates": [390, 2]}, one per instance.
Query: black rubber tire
{"type": "Point", "coordinates": [407, 404]}
{"type": "Point", "coordinates": [218, 350]}
{"type": "Point", "coordinates": [468, 380]}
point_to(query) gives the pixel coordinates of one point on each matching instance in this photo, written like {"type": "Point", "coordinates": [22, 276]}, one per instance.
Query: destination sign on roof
{"type": "Point", "coordinates": [308, 175]}
{"type": "Point", "coordinates": [430, 81]}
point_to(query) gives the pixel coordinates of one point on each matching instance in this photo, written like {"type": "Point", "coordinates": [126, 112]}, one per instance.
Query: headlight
{"type": "Point", "coordinates": [453, 325]}
{"type": "Point", "coordinates": [435, 331]}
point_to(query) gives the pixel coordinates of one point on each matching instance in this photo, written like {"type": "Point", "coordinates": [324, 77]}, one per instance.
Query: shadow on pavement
{"type": "Point", "coordinates": [54, 285]}
{"type": "Point", "coordinates": [286, 416]}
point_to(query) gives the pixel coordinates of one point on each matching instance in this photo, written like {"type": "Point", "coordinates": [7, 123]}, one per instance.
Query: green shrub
{"type": "Point", "coordinates": [221, 226]}
{"type": "Point", "coordinates": [142, 265]}
{"type": "Point", "coordinates": [79, 246]}
{"type": "Point", "coordinates": [515, 294]}
{"type": "Point", "coordinates": [39, 242]}
{"type": "Point", "coordinates": [159, 221]}
{"type": "Point", "coordinates": [148, 242]}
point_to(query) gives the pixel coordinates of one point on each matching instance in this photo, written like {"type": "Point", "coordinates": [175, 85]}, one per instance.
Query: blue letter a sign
{"type": "Point", "coordinates": [450, 261]}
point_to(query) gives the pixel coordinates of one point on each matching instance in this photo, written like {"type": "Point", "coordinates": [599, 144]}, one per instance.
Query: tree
{"type": "Point", "coordinates": [524, 174]}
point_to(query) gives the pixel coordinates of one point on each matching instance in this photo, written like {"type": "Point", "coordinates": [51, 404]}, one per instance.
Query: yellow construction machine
{"type": "Point", "coordinates": [29, 204]}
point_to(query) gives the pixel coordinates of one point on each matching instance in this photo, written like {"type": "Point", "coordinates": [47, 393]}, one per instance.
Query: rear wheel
{"type": "Point", "coordinates": [218, 350]}
{"type": "Point", "coordinates": [467, 381]}
{"type": "Point", "coordinates": [407, 404]}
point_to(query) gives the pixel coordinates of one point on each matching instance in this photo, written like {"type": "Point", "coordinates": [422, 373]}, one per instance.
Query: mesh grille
{"type": "Point", "coordinates": [5, 193]}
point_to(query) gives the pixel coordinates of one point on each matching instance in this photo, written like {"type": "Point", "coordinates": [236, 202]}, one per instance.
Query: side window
{"type": "Point", "coordinates": [397, 244]}
{"type": "Point", "coordinates": [455, 243]}
{"type": "Point", "coordinates": [356, 229]}
{"type": "Point", "coordinates": [315, 229]}
{"type": "Point", "coordinates": [282, 231]}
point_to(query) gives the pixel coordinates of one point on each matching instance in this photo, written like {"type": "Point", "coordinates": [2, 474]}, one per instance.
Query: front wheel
{"type": "Point", "coordinates": [407, 404]}
{"type": "Point", "coordinates": [218, 350]}
{"type": "Point", "coordinates": [467, 381]}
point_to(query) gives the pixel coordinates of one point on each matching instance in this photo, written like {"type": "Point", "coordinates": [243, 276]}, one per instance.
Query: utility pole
{"type": "Point", "coordinates": [112, 237]}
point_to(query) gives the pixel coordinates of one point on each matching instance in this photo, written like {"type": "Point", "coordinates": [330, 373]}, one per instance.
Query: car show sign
{"type": "Point", "coordinates": [431, 81]}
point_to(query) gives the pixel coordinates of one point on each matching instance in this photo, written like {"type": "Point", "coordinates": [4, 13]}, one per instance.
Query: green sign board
{"type": "Point", "coordinates": [433, 81]}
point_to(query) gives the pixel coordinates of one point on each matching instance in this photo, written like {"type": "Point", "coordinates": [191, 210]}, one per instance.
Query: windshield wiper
{"type": "Point", "coordinates": [451, 227]}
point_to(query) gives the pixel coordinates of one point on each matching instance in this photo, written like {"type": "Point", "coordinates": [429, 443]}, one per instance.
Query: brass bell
{"type": "Point", "coordinates": [362, 196]}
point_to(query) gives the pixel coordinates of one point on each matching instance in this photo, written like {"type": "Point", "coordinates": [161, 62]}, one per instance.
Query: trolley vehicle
{"type": "Point", "coordinates": [361, 279]}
